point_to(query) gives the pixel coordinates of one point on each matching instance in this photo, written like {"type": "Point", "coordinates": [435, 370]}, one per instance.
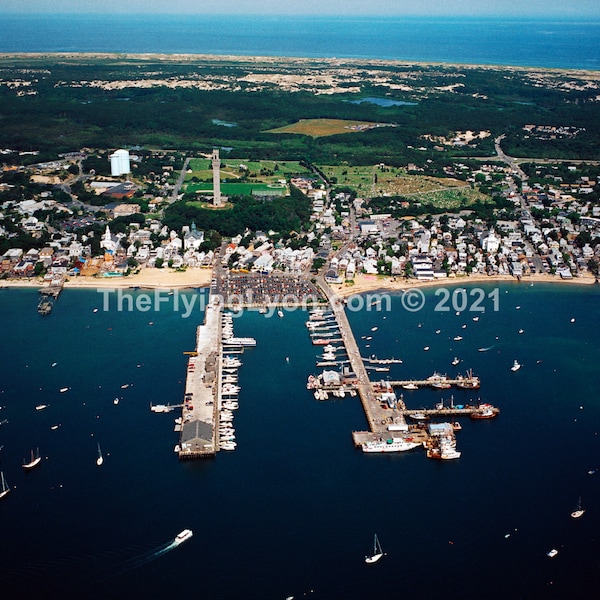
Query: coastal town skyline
{"type": "Point", "coordinates": [342, 8]}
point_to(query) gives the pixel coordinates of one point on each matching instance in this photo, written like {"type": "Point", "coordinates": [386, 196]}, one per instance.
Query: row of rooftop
{"type": "Point", "coordinates": [554, 229]}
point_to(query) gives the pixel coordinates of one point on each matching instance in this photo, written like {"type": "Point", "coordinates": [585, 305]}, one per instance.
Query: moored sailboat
{"type": "Point", "coordinates": [34, 462]}
{"type": "Point", "coordinates": [578, 512]}
{"type": "Point", "coordinates": [4, 489]}
{"type": "Point", "coordinates": [377, 552]}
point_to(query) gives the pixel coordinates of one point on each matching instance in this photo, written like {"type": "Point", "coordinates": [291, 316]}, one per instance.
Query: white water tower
{"type": "Point", "coordinates": [119, 163]}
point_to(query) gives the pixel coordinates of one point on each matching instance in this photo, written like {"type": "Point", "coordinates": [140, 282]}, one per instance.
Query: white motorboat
{"type": "Point", "coordinates": [516, 366]}
{"type": "Point", "coordinates": [100, 459]}
{"type": "Point", "coordinates": [377, 552]}
{"type": "Point", "coordinates": [185, 535]}
{"type": "Point", "coordinates": [552, 553]}
{"type": "Point", "coordinates": [455, 361]}
{"type": "Point", "coordinates": [578, 512]}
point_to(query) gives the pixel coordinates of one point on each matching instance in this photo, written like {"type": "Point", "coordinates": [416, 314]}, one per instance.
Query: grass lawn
{"type": "Point", "coordinates": [233, 189]}
{"type": "Point", "coordinates": [265, 173]}
{"type": "Point", "coordinates": [372, 180]}
{"type": "Point", "coordinates": [324, 127]}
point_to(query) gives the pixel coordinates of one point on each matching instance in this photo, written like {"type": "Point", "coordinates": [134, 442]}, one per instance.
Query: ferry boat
{"type": "Point", "coordinates": [390, 445]}
{"type": "Point", "coordinates": [183, 536]}
{"type": "Point", "coordinates": [34, 462]}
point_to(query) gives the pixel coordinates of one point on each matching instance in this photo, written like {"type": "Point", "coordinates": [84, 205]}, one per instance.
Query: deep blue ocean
{"type": "Point", "coordinates": [569, 44]}
{"type": "Point", "coordinates": [293, 510]}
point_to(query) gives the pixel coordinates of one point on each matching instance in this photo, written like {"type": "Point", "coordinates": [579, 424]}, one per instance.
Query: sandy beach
{"type": "Point", "coordinates": [196, 278]}
{"type": "Point", "coordinates": [146, 278]}
{"type": "Point", "coordinates": [373, 283]}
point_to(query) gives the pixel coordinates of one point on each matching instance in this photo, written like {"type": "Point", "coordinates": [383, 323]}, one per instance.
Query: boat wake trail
{"type": "Point", "coordinates": [94, 570]}
{"type": "Point", "coordinates": [137, 561]}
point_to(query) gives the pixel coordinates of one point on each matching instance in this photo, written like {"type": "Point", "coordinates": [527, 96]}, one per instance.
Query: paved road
{"type": "Point", "coordinates": [180, 180]}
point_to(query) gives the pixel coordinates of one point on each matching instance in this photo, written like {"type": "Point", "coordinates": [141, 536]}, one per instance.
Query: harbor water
{"type": "Point", "coordinates": [293, 510]}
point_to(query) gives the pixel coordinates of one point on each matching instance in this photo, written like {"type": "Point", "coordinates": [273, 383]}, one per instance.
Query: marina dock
{"type": "Point", "coordinates": [198, 435]}
{"type": "Point", "coordinates": [376, 415]}
{"type": "Point", "coordinates": [211, 387]}
{"type": "Point", "coordinates": [392, 426]}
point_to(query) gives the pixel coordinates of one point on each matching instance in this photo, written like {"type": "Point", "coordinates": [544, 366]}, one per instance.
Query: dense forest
{"type": "Point", "coordinates": [62, 105]}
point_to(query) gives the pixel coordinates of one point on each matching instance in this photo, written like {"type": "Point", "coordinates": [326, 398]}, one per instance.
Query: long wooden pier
{"type": "Point", "coordinates": [386, 414]}
{"type": "Point", "coordinates": [470, 383]}
{"type": "Point", "coordinates": [198, 437]}
{"type": "Point", "coordinates": [377, 417]}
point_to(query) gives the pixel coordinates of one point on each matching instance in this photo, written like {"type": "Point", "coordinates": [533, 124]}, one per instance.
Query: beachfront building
{"type": "Point", "coordinates": [110, 244]}
{"type": "Point", "coordinates": [192, 238]}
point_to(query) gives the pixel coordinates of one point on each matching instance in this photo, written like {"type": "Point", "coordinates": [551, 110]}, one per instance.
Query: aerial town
{"type": "Point", "coordinates": [545, 224]}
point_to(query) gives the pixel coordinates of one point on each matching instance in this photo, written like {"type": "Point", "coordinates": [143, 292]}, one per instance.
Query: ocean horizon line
{"type": "Point", "coordinates": [544, 42]}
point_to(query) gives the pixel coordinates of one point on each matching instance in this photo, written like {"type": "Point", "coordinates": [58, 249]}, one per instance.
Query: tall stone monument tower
{"type": "Point", "coordinates": [216, 169]}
